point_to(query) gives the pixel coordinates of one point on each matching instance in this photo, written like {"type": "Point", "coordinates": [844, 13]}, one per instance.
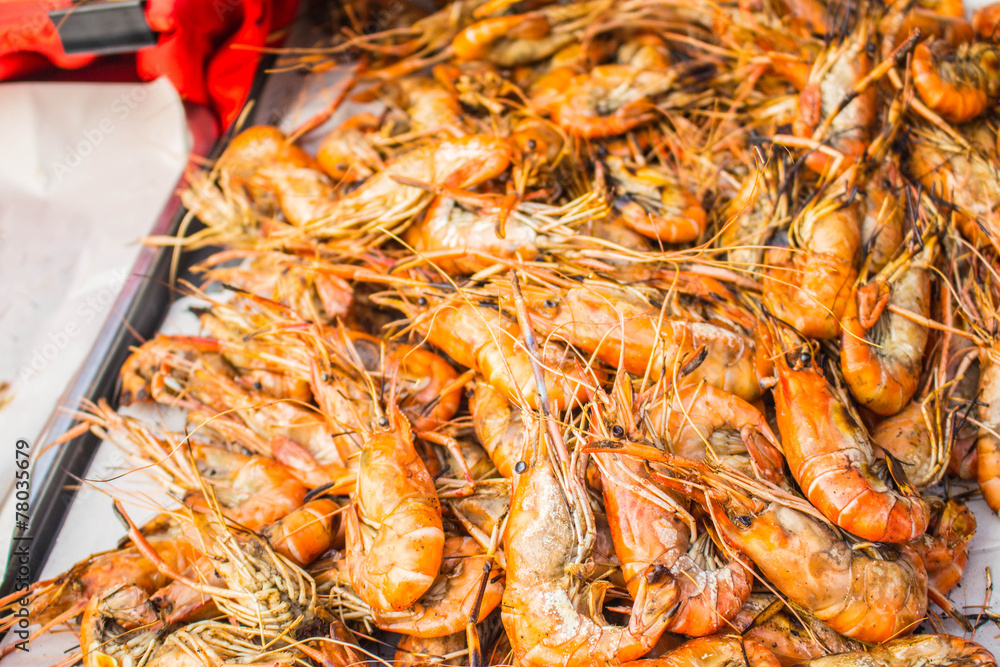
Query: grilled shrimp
{"type": "Point", "coordinates": [120, 626]}
{"type": "Point", "coordinates": [253, 490]}
{"type": "Point", "coordinates": [522, 39]}
{"type": "Point", "coordinates": [864, 597]}
{"type": "Point", "coordinates": [609, 100]}
{"type": "Point", "coordinates": [265, 162]}
{"type": "Point", "coordinates": [346, 154]}
{"type": "Point", "coordinates": [484, 340]}
{"type": "Point", "coordinates": [956, 83]}
{"type": "Point", "coordinates": [832, 78]}
{"type": "Point", "coordinates": [881, 353]}
{"type": "Point", "coordinates": [942, 650]}
{"type": "Point", "coordinates": [985, 21]}
{"type": "Point", "coordinates": [498, 425]}
{"type": "Point", "coordinates": [966, 177]}
{"type": "Point", "coordinates": [792, 641]}
{"type": "Point", "coordinates": [541, 603]}
{"type": "Point", "coordinates": [649, 527]}
{"type": "Point", "coordinates": [945, 549]}
{"type": "Point", "coordinates": [809, 287]}
{"type": "Point", "coordinates": [412, 651]}
{"type": "Point", "coordinates": [654, 203]}
{"type": "Point", "coordinates": [451, 600]}
{"type": "Point", "coordinates": [456, 238]}
{"type": "Point", "coordinates": [722, 650]}
{"type": "Point", "coordinates": [907, 437]}
{"type": "Point", "coordinates": [831, 458]}
{"type": "Point", "coordinates": [988, 443]}
{"type": "Point", "coordinates": [383, 200]}
{"type": "Point", "coordinates": [702, 423]}
{"type": "Point", "coordinates": [395, 538]}
{"type": "Point", "coordinates": [307, 285]}
{"type": "Point", "coordinates": [624, 330]}
{"type": "Point", "coordinates": [305, 533]}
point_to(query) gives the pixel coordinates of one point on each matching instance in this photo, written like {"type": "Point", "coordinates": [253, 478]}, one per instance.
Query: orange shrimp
{"type": "Point", "coordinates": [510, 41]}
{"type": "Point", "coordinates": [792, 641]}
{"type": "Point", "coordinates": [716, 651]}
{"type": "Point", "coordinates": [522, 39]}
{"type": "Point", "coordinates": [144, 364]}
{"type": "Point", "coordinates": [963, 176]}
{"type": "Point", "coordinates": [307, 285]}
{"type": "Point", "coordinates": [654, 203]}
{"type": "Point", "coordinates": [703, 423]}
{"type": "Point", "coordinates": [64, 597]}
{"type": "Point", "coordinates": [498, 426]}
{"type": "Point", "coordinates": [988, 443]}
{"type": "Point", "coordinates": [945, 549]}
{"type": "Point", "coordinates": [428, 394]}
{"type": "Point", "coordinates": [906, 436]}
{"type": "Point", "coordinates": [648, 529]}
{"type": "Point", "coordinates": [749, 217]}
{"type": "Point", "coordinates": [943, 650]}
{"type": "Point", "coordinates": [470, 236]}
{"type": "Point", "coordinates": [383, 200]}
{"type": "Point", "coordinates": [450, 602]}
{"type": "Point", "coordinates": [621, 328]}
{"type": "Point", "coordinates": [863, 597]}
{"type": "Point", "coordinates": [121, 611]}
{"type": "Point", "coordinates": [253, 490]}
{"type": "Point", "coordinates": [262, 159]}
{"type": "Point", "coordinates": [346, 154]}
{"type": "Point", "coordinates": [956, 83]}
{"type": "Point", "coordinates": [609, 100]}
{"type": "Point", "coordinates": [831, 457]}
{"type": "Point", "coordinates": [985, 21]}
{"type": "Point", "coordinates": [412, 651]}
{"type": "Point", "coordinates": [541, 612]}
{"type": "Point", "coordinates": [484, 340]}
{"type": "Point", "coordinates": [395, 538]}
{"type": "Point", "coordinates": [881, 353]}
{"type": "Point", "coordinates": [809, 287]}
{"type": "Point", "coordinates": [305, 533]}
{"type": "Point", "coordinates": [832, 78]}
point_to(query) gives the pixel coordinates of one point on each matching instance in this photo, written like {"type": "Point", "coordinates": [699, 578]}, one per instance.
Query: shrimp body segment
{"type": "Point", "coordinates": [882, 362]}
{"type": "Point", "coordinates": [395, 538]}
{"type": "Point", "coordinates": [862, 597]}
{"type": "Point", "coordinates": [625, 331]}
{"type": "Point", "coordinates": [988, 443]}
{"type": "Point", "coordinates": [540, 613]}
{"type": "Point", "coordinates": [831, 458]}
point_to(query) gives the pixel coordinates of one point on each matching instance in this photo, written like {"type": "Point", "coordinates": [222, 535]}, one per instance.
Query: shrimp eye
{"type": "Point", "coordinates": [422, 301]}
{"type": "Point", "coordinates": [549, 303]}
{"type": "Point", "coordinates": [532, 144]}
{"type": "Point", "coordinates": [520, 467]}
{"type": "Point", "coordinates": [383, 421]}
{"type": "Point", "coordinates": [657, 574]}
{"type": "Point", "coordinates": [744, 521]}
{"type": "Point", "coordinates": [258, 386]}
{"type": "Point", "coordinates": [804, 357]}
{"type": "Point", "coordinates": [617, 431]}
{"type": "Point", "coordinates": [325, 377]}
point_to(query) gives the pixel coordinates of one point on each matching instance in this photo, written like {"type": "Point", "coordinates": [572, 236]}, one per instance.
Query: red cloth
{"type": "Point", "coordinates": [209, 49]}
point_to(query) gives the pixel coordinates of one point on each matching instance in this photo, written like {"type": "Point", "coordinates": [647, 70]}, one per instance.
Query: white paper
{"type": "Point", "coordinates": [85, 170]}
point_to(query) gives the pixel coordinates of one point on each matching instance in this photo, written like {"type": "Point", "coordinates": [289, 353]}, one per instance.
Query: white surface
{"type": "Point", "coordinates": [91, 525]}
{"type": "Point", "coordinates": [84, 173]}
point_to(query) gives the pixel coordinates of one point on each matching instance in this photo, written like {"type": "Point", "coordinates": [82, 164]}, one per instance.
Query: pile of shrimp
{"type": "Point", "coordinates": [654, 332]}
